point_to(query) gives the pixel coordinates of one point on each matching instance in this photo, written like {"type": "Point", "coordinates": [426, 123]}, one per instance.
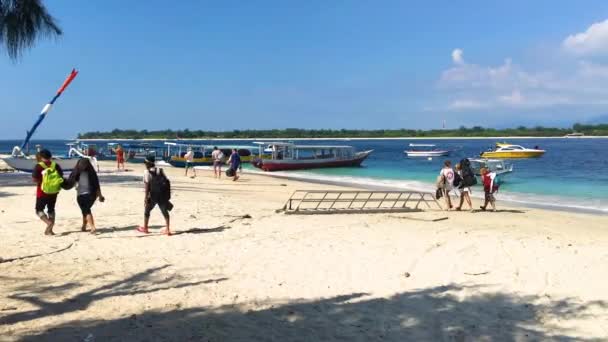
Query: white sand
{"type": "Point", "coordinates": [517, 275]}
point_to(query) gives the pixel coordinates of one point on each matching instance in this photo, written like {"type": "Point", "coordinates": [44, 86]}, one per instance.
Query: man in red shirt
{"type": "Point", "coordinates": [45, 200]}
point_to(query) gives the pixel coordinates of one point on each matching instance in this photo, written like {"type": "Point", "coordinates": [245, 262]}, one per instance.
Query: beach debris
{"type": "Point", "coordinates": [192, 217]}
{"type": "Point", "coordinates": [407, 274]}
{"type": "Point", "coordinates": [37, 255]}
{"type": "Point", "coordinates": [89, 338]}
{"type": "Point", "coordinates": [477, 274]}
{"type": "Point", "coordinates": [9, 308]}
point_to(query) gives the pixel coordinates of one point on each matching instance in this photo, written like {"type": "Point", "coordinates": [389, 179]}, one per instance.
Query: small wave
{"type": "Point", "coordinates": [527, 200]}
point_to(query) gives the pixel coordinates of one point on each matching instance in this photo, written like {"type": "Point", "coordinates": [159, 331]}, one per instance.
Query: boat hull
{"type": "Point", "coordinates": [284, 165]}
{"type": "Point", "coordinates": [28, 164]}
{"type": "Point", "coordinates": [512, 154]}
{"type": "Point", "coordinates": [427, 153]}
{"type": "Point", "coordinates": [181, 162]}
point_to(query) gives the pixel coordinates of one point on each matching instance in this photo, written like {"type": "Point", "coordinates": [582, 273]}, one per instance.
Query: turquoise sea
{"type": "Point", "coordinates": [573, 174]}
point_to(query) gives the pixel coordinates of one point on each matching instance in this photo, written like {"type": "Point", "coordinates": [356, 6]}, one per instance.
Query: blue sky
{"type": "Point", "coordinates": [223, 65]}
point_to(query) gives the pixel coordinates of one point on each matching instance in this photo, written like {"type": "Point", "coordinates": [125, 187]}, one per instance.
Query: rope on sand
{"type": "Point", "coordinates": [36, 255]}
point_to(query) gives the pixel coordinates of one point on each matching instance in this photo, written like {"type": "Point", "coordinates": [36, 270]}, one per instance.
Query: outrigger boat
{"type": "Point", "coordinates": [22, 162]}
{"type": "Point", "coordinates": [288, 156]}
{"type": "Point", "coordinates": [202, 153]}
{"type": "Point", "coordinates": [497, 166]}
{"type": "Point", "coordinates": [426, 151]}
{"type": "Point", "coordinates": [513, 151]}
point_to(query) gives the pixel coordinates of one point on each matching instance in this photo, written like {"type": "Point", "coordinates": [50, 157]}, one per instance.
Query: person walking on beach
{"type": "Point", "coordinates": [465, 191]}
{"type": "Point", "coordinates": [48, 177]}
{"type": "Point", "coordinates": [120, 157]}
{"type": "Point", "coordinates": [235, 163]}
{"type": "Point", "coordinates": [488, 188]}
{"type": "Point", "coordinates": [447, 175]}
{"type": "Point", "coordinates": [157, 191]}
{"type": "Point", "coordinates": [189, 156]}
{"type": "Point", "coordinates": [217, 156]}
{"type": "Point", "coordinates": [88, 191]}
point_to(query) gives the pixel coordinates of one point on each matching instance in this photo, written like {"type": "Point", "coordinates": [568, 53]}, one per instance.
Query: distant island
{"type": "Point", "coordinates": [477, 131]}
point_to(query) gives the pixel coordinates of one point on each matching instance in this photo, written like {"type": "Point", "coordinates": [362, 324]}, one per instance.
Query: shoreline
{"type": "Point", "coordinates": [345, 139]}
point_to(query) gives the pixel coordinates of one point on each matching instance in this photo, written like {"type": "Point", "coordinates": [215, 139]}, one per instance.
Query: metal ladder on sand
{"type": "Point", "coordinates": [337, 201]}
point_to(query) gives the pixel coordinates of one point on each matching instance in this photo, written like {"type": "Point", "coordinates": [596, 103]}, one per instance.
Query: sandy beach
{"type": "Point", "coordinates": [237, 270]}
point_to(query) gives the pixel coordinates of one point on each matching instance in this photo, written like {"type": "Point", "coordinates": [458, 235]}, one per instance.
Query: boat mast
{"type": "Point", "coordinates": [47, 108]}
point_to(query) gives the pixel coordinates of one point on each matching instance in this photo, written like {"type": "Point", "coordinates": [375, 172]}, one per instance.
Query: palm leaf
{"type": "Point", "coordinates": [22, 23]}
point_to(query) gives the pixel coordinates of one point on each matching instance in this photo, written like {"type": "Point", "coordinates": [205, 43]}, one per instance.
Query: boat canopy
{"type": "Point", "coordinates": [422, 145]}
{"type": "Point", "coordinates": [304, 147]}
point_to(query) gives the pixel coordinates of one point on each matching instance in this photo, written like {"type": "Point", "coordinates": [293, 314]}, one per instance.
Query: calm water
{"type": "Point", "coordinates": [573, 172]}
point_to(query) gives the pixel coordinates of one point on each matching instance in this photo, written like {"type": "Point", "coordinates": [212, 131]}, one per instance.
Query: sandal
{"type": "Point", "coordinates": [143, 230]}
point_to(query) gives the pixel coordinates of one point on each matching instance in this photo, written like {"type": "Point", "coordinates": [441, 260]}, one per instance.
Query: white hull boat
{"type": "Point", "coordinates": [27, 164]}
{"type": "Point", "coordinates": [427, 153]}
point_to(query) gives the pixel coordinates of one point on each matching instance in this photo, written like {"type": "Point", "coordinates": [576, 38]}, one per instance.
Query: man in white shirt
{"type": "Point", "coordinates": [218, 159]}
{"type": "Point", "coordinates": [189, 156]}
{"type": "Point", "coordinates": [447, 175]}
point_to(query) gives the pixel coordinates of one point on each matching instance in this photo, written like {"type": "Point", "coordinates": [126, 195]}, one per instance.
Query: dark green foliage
{"type": "Point", "coordinates": [22, 22]}
{"type": "Point", "coordinates": [476, 131]}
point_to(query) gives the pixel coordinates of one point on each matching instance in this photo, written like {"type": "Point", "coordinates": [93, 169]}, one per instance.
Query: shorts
{"type": "Point", "coordinates": [464, 190]}
{"type": "Point", "coordinates": [188, 164]}
{"type": "Point", "coordinates": [85, 202]}
{"type": "Point", "coordinates": [48, 202]}
{"type": "Point", "coordinates": [489, 197]}
{"type": "Point", "coordinates": [164, 207]}
{"type": "Point", "coordinates": [217, 163]}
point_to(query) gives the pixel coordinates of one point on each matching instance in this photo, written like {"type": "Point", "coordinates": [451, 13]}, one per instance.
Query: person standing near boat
{"type": "Point", "coordinates": [447, 176]}
{"type": "Point", "coordinates": [48, 177]}
{"type": "Point", "coordinates": [88, 191]}
{"type": "Point", "coordinates": [218, 157]}
{"type": "Point", "coordinates": [487, 178]}
{"type": "Point", "coordinates": [235, 163]}
{"type": "Point", "coordinates": [189, 156]}
{"type": "Point", "coordinates": [465, 191]}
{"type": "Point", "coordinates": [120, 157]}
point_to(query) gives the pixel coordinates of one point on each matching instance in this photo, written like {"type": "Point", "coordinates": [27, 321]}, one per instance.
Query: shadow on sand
{"type": "Point", "coordinates": [433, 314]}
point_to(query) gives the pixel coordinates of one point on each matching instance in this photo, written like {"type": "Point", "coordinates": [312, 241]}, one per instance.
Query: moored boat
{"type": "Point", "coordinates": [497, 166]}
{"type": "Point", "coordinates": [288, 156]}
{"type": "Point", "coordinates": [513, 152]}
{"type": "Point", "coordinates": [425, 150]}
{"type": "Point", "coordinates": [202, 153]}
{"type": "Point", "coordinates": [574, 135]}
{"type": "Point", "coordinates": [18, 160]}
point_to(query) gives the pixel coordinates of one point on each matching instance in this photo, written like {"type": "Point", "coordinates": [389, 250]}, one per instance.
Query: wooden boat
{"type": "Point", "coordinates": [18, 160]}
{"type": "Point", "coordinates": [513, 152]}
{"type": "Point", "coordinates": [288, 156]}
{"type": "Point", "coordinates": [202, 153]}
{"type": "Point", "coordinates": [427, 150]}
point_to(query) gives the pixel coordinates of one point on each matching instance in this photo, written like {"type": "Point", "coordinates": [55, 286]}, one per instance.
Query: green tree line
{"type": "Point", "coordinates": [477, 131]}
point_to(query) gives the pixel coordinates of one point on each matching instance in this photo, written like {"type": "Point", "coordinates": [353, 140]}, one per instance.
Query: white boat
{"type": "Point", "coordinates": [574, 135]}
{"type": "Point", "coordinates": [497, 166]}
{"type": "Point", "coordinates": [427, 150]}
{"type": "Point", "coordinates": [20, 161]}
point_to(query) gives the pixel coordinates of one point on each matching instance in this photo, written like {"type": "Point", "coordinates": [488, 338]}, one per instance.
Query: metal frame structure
{"type": "Point", "coordinates": [364, 201]}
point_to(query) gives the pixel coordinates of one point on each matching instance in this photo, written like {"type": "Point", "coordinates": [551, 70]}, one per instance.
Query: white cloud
{"type": "Point", "coordinates": [591, 42]}
{"type": "Point", "coordinates": [465, 104]}
{"type": "Point", "coordinates": [515, 98]}
{"type": "Point", "coordinates": [457, 56]}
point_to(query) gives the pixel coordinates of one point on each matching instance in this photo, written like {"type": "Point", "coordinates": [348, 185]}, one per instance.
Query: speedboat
{"type": "Point", "coordinates": [513, 151]}
{"type": "Point", "coordinates": [497, 166]}
{"type": "Point", "coordinates": [288, 156]}
{"type": "Point", "coordinates": [574, 135]}
{"type": "Point", "coordinates": [425, 150]}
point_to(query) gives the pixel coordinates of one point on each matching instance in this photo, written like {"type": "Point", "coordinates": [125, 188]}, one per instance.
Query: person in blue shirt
{"type": "Point", "coordinates": [235, 163]}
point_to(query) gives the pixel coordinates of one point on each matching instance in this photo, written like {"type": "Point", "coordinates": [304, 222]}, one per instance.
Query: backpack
{"type": "Point", "coordinates": [457, 182]}
{"type": "Point", "coordinates": [468, 176]}
{"type": "Point", "coordinates": [51, 179]}
{"type": "Point", "coordinates": [160, 186]}
{"type": "Point", "coordinates": [230, 172]}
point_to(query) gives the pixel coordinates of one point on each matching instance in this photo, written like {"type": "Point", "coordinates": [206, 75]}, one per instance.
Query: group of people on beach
{"type": "Point", "coordinates": [461, 179]}
{"type": "Point", "coordinates": [49, 179]}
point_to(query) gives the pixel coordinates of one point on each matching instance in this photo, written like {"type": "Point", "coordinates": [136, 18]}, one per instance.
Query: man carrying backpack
{"type": "Point", "coordinates": [48, 177]}
{"type": "Point", "coordinates": [157, 192]}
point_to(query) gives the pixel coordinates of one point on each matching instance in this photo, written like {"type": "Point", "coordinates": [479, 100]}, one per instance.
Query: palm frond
{"type": "Point", "coordinates": [22, 23]}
